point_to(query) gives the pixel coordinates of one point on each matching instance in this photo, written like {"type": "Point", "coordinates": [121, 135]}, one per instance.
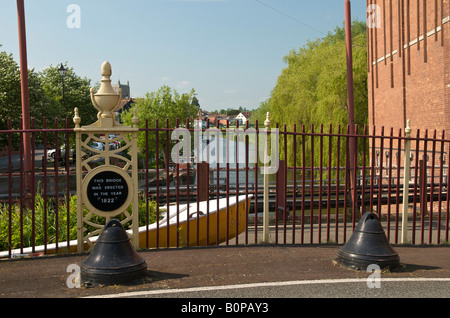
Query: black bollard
{"type": "Point", "coordinates": [368, 245]}
{"type": "Point", "coordinates": [113, 259]}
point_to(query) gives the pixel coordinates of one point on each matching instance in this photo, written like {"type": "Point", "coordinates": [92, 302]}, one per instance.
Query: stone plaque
{"type": "Point", "coordinates": [107, 191]}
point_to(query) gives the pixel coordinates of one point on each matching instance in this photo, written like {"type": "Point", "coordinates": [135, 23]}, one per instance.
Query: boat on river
{"type": "Point", "coordinates": [187, 225]}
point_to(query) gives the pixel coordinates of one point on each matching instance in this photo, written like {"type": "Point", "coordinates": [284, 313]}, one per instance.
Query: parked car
{"type": "Point", "coordinates": [113, 145]}
{"type": "Point", "coordinates": [51, 154]}
{"type": "Point", "coordinates": [98, 146]}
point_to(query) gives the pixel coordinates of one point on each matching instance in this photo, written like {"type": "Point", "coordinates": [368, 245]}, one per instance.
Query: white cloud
{"type": "Point", "coordinates": [183, 84]}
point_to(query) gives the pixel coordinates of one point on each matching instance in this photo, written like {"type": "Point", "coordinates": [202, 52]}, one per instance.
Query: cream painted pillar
{"type": "Point", "coordinates": [266, 183]}
{"type": "Point", "coordinates": [107, 181]}
{"type": "Point", "coordinates": [406, 177]}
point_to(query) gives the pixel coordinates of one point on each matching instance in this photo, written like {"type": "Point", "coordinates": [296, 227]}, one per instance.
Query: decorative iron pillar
{"type": "Point", "coordinates": [107, 172]}
{"type": "Point", "coordinates": [407, 176]}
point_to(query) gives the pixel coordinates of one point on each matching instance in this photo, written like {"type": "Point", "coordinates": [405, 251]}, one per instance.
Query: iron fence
{"type": "Point", "coordinates": [317, 195]}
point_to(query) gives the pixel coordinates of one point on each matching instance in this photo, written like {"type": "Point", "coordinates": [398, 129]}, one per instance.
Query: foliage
{"type": "Point", "coordinates": [312, 89]}
{"type": "Point", "coordinates": [45, 98]}
{"type": "Point", "coordinates": [166, 103]}
{"type": "Point", "coordinates": [76, 93]}
{"type": "Point", "coordinates": [231, 111]}
{"type": "Point", "coordinates": [11, 100]}
{"type": "Point", "coordinates": [260, 113]}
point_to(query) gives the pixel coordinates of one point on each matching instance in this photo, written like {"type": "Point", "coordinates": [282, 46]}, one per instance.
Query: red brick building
{"type": "Point", "coordinates": [409, 64]}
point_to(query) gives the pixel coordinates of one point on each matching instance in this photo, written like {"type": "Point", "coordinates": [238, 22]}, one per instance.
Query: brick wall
{"type": "Point", "coordinates": [410, 78]}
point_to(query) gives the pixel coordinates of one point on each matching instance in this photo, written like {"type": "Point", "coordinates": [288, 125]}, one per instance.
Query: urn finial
{"type": "Point", "coordinates": [106, 100]}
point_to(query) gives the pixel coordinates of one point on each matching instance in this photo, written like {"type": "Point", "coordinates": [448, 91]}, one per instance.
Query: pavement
{"type": "Point", "coordinates": [168, 269]}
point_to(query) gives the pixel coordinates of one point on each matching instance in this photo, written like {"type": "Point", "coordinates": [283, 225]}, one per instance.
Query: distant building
{"type": "Point", "coordinates": [126, 92]}
{"type": "Point", "coordinates": [241, 118]}
{"type": "Point", "coordinates": [126, 102]}
{"type": "Point", "coordinates": [223, 122]}
{"type": "Point", "coordinates": [125, 105]}
{"type": "Point", "coordinates": [214, 119]}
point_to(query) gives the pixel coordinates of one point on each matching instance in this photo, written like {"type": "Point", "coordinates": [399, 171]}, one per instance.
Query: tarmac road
{"type": "Point", "coordinates": [15, 160]}
{"type": "Point", "coordinates": [282, 271]}
{"type": "Point", "coordinates": [327, 288]}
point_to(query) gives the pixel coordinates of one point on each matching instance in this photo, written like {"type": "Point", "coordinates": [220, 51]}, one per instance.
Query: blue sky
{"type": "Point", "coordinates": [230, 51]}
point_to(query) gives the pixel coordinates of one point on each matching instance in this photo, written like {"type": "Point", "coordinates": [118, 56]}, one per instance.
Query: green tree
{"type": "Point", "coordinates": [166, 103]}
{"type": "Point", "coordinates": [312, 89]}
{"type": "Point", "coordinates": [195, 103]}
{"type": "Point", "coordinates": [11, 99]}
{"type": "Point", "coordinates": [45, 97]}
{"type": "Point", "coordinates": [76, 94]}
{"type": "Point", "coordinates": [10, 93]}
{"type": "Point", "coordinates": [260, 113]}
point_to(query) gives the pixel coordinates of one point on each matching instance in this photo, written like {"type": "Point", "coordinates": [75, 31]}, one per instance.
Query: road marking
{"type": "Point", "coordinates": [259, 285]}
